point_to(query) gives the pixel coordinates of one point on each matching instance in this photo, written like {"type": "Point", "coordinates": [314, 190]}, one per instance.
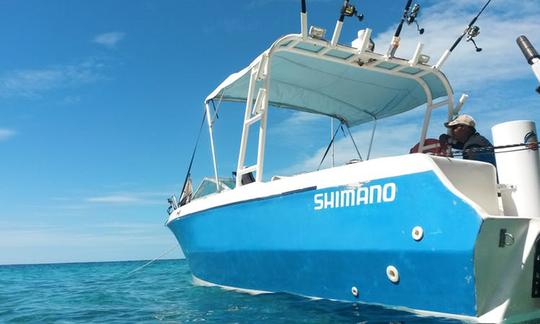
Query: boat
{"type": "Point", "coordinates": [419, 232]}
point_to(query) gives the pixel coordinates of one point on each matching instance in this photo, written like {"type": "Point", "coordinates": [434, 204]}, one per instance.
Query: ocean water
{"type": "Point", "coordinates": [161, 292]}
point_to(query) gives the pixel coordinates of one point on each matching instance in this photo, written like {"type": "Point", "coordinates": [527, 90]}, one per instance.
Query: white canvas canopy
{"type": "Point", "coordinates": [352, 84]}
{"type": "Point", "coordinates": [339, 81]}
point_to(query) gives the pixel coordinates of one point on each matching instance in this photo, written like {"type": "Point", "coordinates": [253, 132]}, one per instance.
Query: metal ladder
{"type": "Point", "coordinates": [256, 111]}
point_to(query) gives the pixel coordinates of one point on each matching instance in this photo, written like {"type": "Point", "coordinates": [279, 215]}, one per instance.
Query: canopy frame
{"type": "Point", "coordinates": [257, 99]}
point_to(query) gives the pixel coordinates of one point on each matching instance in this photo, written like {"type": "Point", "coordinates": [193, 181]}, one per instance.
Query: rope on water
{"type": "Point", "coordinates": [152, 261]}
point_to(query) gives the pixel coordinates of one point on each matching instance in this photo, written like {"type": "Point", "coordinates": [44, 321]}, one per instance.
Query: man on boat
{"type": "Point", "coordinates": [465, 137]}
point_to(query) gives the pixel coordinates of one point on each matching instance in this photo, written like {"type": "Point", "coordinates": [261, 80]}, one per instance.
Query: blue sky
{"type": "Point", "coordinates": [100, 104]}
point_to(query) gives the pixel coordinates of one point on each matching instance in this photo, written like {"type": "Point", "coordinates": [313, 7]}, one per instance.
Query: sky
{"type": "Point", "coordinates": [100, 105]}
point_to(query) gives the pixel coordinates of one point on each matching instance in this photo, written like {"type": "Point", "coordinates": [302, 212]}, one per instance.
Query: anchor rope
{"type": "Point", "coordinates": [152, 261]}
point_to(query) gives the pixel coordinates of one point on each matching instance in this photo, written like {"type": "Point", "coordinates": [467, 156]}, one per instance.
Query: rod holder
{"type": "Point", "coordinates": [460, 103]}
{"type": "Point", "coordinates": [417, 53]}
{"type": "Point", "coordinates": [303, 20]}
{"type": "Point", "coordinates": [337, 33]}
{"type": "Point", "coordinates": [443, 59]}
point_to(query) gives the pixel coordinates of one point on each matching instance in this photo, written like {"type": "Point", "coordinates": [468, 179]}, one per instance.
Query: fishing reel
{"type": "Point", "coordinates": [472, 32]}
{"type": "Point", "coordinates": [410, 17]}
{"type": "Point", "coordinates": [349, 10]}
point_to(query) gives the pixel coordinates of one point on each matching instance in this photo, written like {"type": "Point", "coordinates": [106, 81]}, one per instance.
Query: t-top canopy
{"type": "Point", "coordinates": [356, 87]}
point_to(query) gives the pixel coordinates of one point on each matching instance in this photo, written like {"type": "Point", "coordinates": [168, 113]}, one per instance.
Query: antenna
{"type": "Point", "coordinates": [471, 31]}
{"type": "Point", "coordinates": [531, 55]}
{"type": "Point", "coordinates": [409, 16]}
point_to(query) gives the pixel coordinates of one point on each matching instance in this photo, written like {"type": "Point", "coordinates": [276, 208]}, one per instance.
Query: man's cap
{"type": "Point", "coordinates": [461, 120]}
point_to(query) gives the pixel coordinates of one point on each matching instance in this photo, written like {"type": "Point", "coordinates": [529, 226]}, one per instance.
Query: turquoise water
{"type": "Point", "coordinates": [161, 292]}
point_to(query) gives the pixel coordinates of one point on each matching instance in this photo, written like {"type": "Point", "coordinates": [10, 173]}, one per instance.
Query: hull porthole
{"type": "Point", "coordinates": [392, 273]}
{"type": "Point", "coordinates": [417, 233]}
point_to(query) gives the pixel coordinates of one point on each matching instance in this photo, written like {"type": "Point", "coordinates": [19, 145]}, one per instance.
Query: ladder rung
{"type": "Point", "coordinates": [261, 96]}
{"type": "Point", "coordinates": [253, 119]}
{"type": "Point", "coordinates": [247, 170]}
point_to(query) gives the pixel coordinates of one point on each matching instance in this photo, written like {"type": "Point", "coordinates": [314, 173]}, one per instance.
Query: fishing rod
{"type": "Point", "coordinates": [409, 16]}
{"type": "Point", "coordinates": [471, 31]}
{"type": "Point", "coordinates": [510, 148]}
{"type": "Point", "coordinates": [347, 10]}
{"type": "Point", "coordinates": [185, 196]}
{"type": "Point", "coordinates": [531, 55]}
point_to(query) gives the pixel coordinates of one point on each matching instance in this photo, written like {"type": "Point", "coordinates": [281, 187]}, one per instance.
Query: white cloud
{"type": "Point", "coordinates": [134, 198]}
{"type": "Point", "coordinates": [500, 25]}
{"type": "Point", "coordinates": [98, 242]}
{"type": "Point", "coordinates": [109, 39]}
{"type": "Point", "coordinates": [70, 100]}
{"type": "Point", "coordinates": [113, 199]}
{"type": "Point", "coordinates": [299, 125]}
{"type": "Point", "coordinates": [490, 75]}
{"type": "Point", "coordinates": [387, 142]}
{"type": "Point", "coordinates": [84, 202]}
{"type": "Point", "coordinates": [6, 134]}
{"type": "Point", "coordinates": [34, 82]}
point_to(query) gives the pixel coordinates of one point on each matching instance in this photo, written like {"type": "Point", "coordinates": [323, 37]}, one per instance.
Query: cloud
{"type": "Point", "coordinates": [501, 23]}
{"type": "Point", "coordinates": [83, 202]}
{"type": "Point", "coordinates": [135, 198]}
{"type": "Point", "coordinates": [297, 120]}
{"type": "Point", "coordinates": [32, 83]}
{"type": "Point", "coordinates": [92, 242]}
{"type": "Point", "coordinates": [492, 77]}
{"type": "Point", "coordinates": [114, 199]}
{"type": "Point", "coordinates": [300, 125]}
{"type": "Point", "coordinates": [109, 39]}
{"type": "Point", "coordinates": [6, 134]}
{"type": "Point", "coordinates": [70, 100]}
{"type": "Point", "coordinates": [387, 142]}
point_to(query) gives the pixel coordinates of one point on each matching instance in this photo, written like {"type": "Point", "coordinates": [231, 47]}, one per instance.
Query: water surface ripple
{"type": "Point", "coordinates": [161, 292]}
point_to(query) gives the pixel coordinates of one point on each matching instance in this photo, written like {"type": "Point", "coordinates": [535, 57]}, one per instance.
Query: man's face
{"type": "Point", "coordinates": [461, 133]}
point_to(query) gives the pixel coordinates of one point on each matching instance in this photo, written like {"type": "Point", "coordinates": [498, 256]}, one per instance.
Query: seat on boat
{"type": "Point", "coordinates": [476, 180]}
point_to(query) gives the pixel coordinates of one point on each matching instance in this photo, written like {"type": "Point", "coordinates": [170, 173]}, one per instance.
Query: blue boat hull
{"type": "Point", "coordinates": [322, 242]}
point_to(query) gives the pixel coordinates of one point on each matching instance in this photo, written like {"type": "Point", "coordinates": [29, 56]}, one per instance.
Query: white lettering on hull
{"type": "Point", "coordinates": [375, 194]}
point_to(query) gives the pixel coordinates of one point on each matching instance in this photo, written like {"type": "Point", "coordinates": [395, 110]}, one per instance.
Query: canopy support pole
{"type": "Point", "coordinates": [427, 117]}
{"type": "Point", "coordinates": [372, 137]}
{"type": "Point", "coordinates": [425, 125]}
{"type": "Point", "coordinates": [210, 126]}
